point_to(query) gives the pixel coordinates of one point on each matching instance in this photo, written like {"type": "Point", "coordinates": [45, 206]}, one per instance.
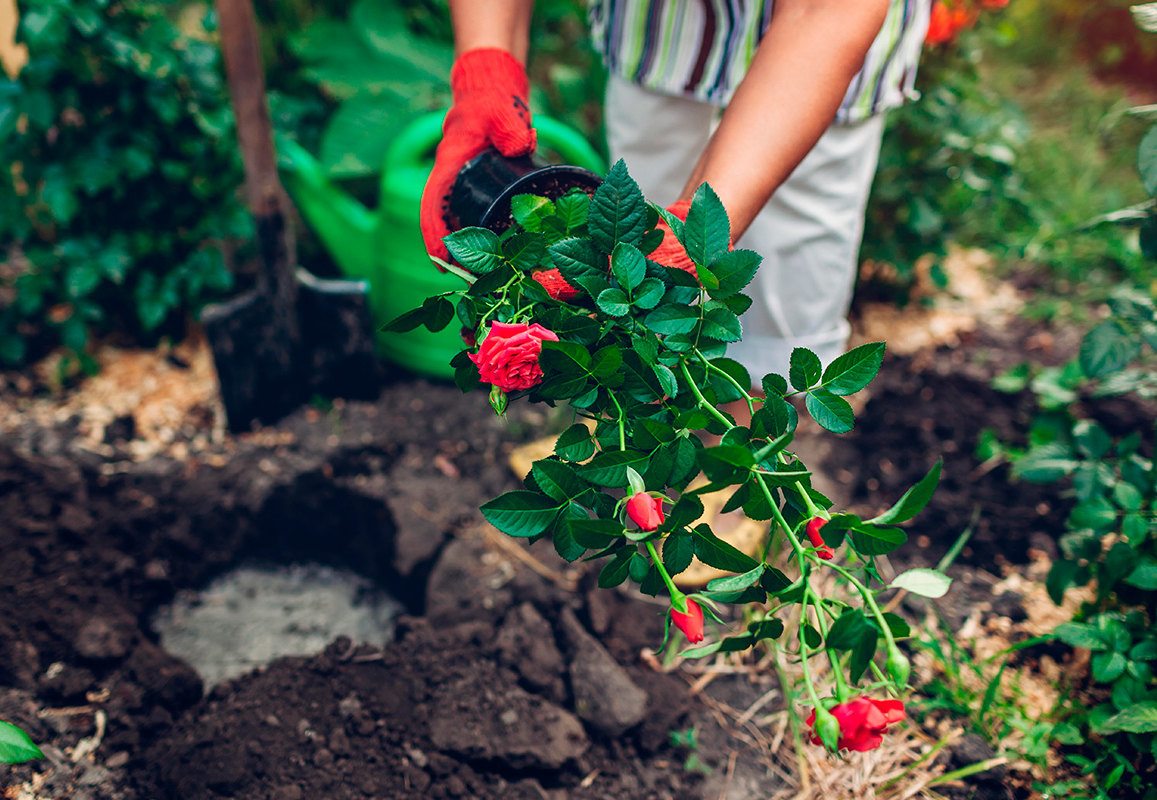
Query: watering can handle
{"type": "Point", "coordinates": [414, 146]}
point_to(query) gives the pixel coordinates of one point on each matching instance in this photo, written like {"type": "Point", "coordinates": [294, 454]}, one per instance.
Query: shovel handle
{"type": "Point", "coordinates": [246, 76]}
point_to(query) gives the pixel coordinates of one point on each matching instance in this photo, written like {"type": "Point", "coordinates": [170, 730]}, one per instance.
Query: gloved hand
{"type": "Point", "coordinates": [489, 87]}
{"type": "Point", "coordinates": [670, 253]}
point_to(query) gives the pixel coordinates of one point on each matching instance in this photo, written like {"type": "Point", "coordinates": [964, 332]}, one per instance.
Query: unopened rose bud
{"type": "Point", "coordinates": [645, 511]}
{"type": "Point", "coordinates": [690, 623]}
{"type": "Point", "coordinates": [817, 541]}
{"type": "Point", "coordinates": [498, 401]}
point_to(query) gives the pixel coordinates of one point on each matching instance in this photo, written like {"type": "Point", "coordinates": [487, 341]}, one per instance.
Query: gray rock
{"type": "Point", "coordinates": [605, 696]}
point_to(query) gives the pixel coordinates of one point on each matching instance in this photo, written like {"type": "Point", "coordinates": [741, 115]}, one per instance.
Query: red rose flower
{"type": "Point", "coordinates": [863, 722]}
{"type": "Point", "coordinates": [508, 357]}
{"type": "Point", "coordinates": [817, 541]}
{"type": "Point", "coordinates": [690, 623]}
{"type": "Point", "coordinates": [645, 511]}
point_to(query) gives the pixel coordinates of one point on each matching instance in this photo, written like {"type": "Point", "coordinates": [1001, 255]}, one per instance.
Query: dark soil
{"type": "Point", "coordinates": [502, 683]}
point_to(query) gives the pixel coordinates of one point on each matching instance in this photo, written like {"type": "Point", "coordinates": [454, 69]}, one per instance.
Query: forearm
{"type": "Point", "coordinates": [504, 24]}
{"type": "Point", "coordinates": [801, 71]}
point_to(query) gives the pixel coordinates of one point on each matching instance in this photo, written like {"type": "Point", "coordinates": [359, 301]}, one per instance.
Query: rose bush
{"type": "Point", "coordinates": [636, 348]}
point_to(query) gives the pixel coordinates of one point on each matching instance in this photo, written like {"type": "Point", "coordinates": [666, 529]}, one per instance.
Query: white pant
{"type": "Point", "coordinates": [808, 234]}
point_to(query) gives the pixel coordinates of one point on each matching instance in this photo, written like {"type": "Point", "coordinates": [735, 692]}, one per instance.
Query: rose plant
{"type": "Point", "coordinates": [571, 306]}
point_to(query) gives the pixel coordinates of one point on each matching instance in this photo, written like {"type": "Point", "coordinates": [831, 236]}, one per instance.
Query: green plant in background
{"type": "Point", "coordinates": [390, 60]}
{"type": "Point", "coordinates": [120, 180]}
{"type": "Point", "coordinates": [1110, 540]}
{"type": "Point", "coordinates": [15, 746]}
{"type": "Point", "coordinates": [381, 70]}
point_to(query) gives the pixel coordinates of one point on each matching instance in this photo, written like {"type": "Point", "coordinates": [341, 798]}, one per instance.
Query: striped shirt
{"type": "Point", "coordinates": [702, 49]}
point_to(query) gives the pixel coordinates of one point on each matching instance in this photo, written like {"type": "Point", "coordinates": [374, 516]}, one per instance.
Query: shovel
{"type": "Point", "coordinates": [292, 335]}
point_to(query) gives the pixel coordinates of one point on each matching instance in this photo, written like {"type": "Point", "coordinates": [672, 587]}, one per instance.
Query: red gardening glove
{"type": "Point", "coordinates": [490, 88]}
{"type": "Point", "coordinates": [670, 253]}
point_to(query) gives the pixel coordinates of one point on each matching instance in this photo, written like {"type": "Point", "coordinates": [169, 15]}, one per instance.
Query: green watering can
{"type": "Point", "coordinates": [384, 246]}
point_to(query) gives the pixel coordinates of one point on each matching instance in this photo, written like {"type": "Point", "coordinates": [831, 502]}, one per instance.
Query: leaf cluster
{"type": "Point", "coordinates": [1110, 541]}
{"type": "Point", "coordinates": [121, 164]}
{"type": "Point", "coordinates": [641, 360]}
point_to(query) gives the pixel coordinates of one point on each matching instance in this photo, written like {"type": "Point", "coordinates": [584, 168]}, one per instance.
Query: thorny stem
{"type": "Point", "coordinates": [746, 395]}
{"type": "Point", "coordinates": [833, 656]}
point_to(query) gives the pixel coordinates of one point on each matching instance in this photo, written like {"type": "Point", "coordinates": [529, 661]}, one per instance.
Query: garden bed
{"type": "Point", "coordinates": [510, 676]}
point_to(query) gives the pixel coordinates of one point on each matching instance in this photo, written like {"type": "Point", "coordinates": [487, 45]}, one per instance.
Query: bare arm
{"type": "Point", "coordinates": [811, 51]}
{"type": "Point", "coordinates": [504, 24]}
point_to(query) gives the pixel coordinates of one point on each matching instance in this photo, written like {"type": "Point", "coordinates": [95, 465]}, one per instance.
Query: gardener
{"type": "Point", "coordinates": [795, 184]}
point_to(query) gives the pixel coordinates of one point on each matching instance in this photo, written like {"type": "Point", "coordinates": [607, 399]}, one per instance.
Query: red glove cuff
{"type": "Point", "coordinates": [488, 68]}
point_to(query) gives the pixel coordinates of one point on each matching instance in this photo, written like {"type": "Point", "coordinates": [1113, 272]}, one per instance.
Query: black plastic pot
{"type": "Point", "coordinates": [483, 190]}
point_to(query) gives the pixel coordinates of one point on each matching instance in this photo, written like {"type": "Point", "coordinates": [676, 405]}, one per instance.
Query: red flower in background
{"type": "Point", "coordinates": [863, 722]}
{"type": "Point", "coordinates": [950, 18]}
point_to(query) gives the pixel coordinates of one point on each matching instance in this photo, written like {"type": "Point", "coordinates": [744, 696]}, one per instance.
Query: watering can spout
{"type": "Point", "coordinates": [345, 226]}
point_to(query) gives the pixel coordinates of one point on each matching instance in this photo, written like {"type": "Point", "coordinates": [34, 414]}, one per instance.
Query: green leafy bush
{"type": "Point", "coordinates": [122, 166]}
{"type": "Point", "coordinates": [1110, 540]}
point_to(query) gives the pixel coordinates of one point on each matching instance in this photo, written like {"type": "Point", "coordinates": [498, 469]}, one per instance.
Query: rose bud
{"type": "Point", "coordinates": [817, 541]}
{"type": "Point", "coordinates": [645, 511]}
{"type": "Point", "coordinates": [508, 357]}
{"type": "Point", "coordinates": [690, 623]}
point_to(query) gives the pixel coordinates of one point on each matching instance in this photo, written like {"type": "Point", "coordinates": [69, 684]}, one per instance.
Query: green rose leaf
{"type": "Point", "coordinates": [924, 582]}
{"type": "Point", "coordinates": [594, 534]}
{"type": "Point", "coordinates": [870, 540]}
{"type": "Point", "coordinates": [831, 412]}
{"type": "Point", "coordinates": [804, 369]}
{"type": "Point", "coordinates": [1079, 634]}
{"type": "Point", "coordinates": [648, 294]}
{"type": "Point", "coordinates": [628, 266]}
{"type": "Point", "coordinates": [575, 443]}
{"type": "Point", "coordinates": [615, 572]}
{"type": "Point", "coordinates": [613, 302]}
{"type": "Point", "coordinates": [734, 270]}
{"type": "Point", "coordinates": [618, 212]}
{"type": "Point", "coordinates": [610, 468]}
{"type": "Point", "coordinates": [855, 369]}
{"type": "Point", "coordinates": [670, 319]}
{"type": "Point", "coordinates": [478, 250]}
{"type": "Point", "coordinates": [678, 550]}
{"type": "Point", "coordinates": [912, 501]}
{"type": "Point", "coordinates": [578, 258]}
{"type": "Point", "coordinates": [1147, 161]}
{"type": "Point", "coordinates": [736, 583]}
{"type": "Point", "coordinates": [714, 552]}
{"type": "Point", "coordinates": [847, 631]}
{"type": "Point", "coordinates": [529, 210]}
{"type": "Point", "coordinates": [707, 231]}
{"type": "Point", "coordinates": [557, 479]}
{"type": "Point", "coordinates": [521, 514]}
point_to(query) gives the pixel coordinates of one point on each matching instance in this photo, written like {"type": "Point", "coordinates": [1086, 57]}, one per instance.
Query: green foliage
{"type": "Point", "coordinates": [1111, 535]}
{"type": "Point", "coordinates": [121, 167]}
{"type": "Point", "coordinates": [640, 355]}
